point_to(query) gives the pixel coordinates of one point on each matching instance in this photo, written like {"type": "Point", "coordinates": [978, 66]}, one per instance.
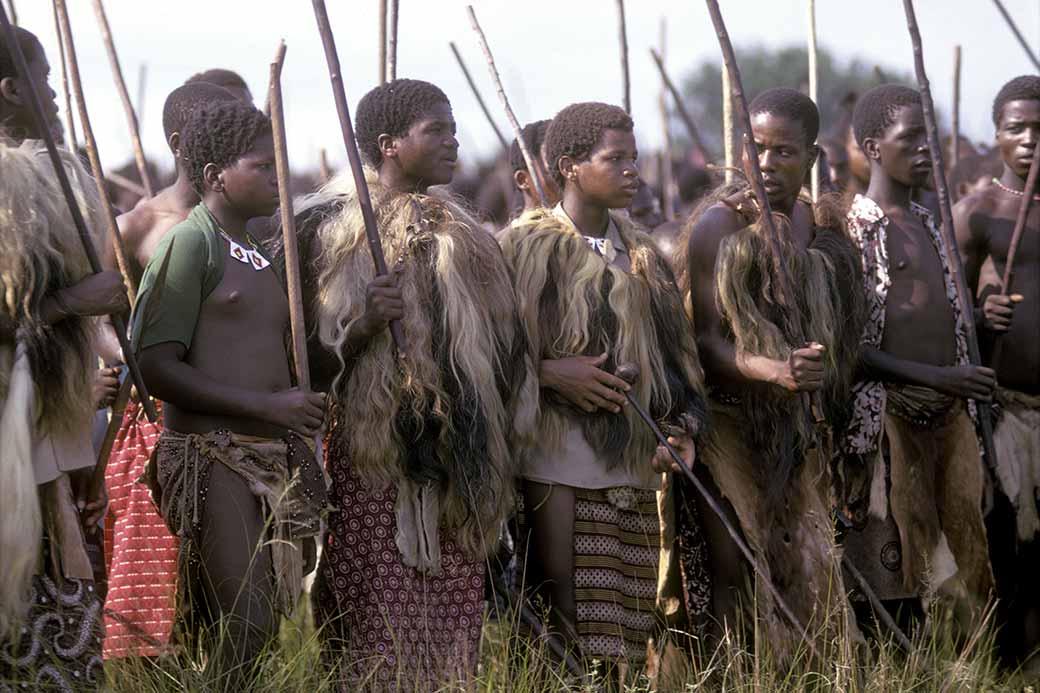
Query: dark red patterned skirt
{"type": "Point", "coordinates": [384, 625]}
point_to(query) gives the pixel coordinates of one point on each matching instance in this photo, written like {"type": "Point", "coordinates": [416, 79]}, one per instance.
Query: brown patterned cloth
{"type": "Point", "coordinates": [283, 474]}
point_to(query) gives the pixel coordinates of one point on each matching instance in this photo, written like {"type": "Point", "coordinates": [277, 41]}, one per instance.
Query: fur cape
{"type": "Point", "coordinates": [573, 303]}
{"type": "Point", "coordinates": [47, 371]}
{"type": "Point", "coordinates": [828, 302]}
{"type": "Point", "coordinates": [450, 408]}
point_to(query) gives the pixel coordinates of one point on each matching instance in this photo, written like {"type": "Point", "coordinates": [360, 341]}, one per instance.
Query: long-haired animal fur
{"type": "Point", "coordinates": [573, 303]}
{"type": "Point", "coordinates": [450, 408]}
{"type": "Point", "coordinates": [46, 371]}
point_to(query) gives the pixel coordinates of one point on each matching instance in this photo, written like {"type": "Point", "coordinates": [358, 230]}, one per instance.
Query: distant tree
{"type": "Point", "coordinates": [762, 68]}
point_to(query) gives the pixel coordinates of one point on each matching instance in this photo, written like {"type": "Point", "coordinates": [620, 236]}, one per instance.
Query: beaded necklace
{"type": "Point", "coordinates": [1016, 193]}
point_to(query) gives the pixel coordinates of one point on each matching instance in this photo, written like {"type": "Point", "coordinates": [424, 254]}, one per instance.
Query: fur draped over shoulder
{"type": "Point", "coordinates": [573, 303]}
{"type": "Point", "coordinates": [450, 410]}
{"type": "Point", "coordinates": [46, 371]}
{"type": "Point", "coordinates": [41, 252]}
{"type": "Point", "coordinates": [830, 304]}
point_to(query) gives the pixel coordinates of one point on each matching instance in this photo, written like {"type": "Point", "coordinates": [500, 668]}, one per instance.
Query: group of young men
{"type": "Point", "coordinates": [510, 406]}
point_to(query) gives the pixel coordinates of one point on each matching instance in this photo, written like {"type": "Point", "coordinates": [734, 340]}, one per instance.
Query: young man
{"type": "Point", "coordinates": [763, 453]}
{"type": "Point", "coordinates": [925, 531]}
{"type": "Point", "coordinates": [534, 138]}
{"type": "Point", "coordinates": [48, 361]}
{"type": "Point", "coordinates": [985, 221]}
{"type": "Point", "coordinates": [595, 294]}
{"type": "Point", "coordinates": [142, 553]}
{"type": "Point", "coordinates": [231, 474]}
{"type": "Point", "coordinates": [419, 447]}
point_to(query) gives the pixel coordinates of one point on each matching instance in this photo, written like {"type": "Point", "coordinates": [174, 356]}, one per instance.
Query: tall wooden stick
{"type": "Point", "coordinates": [391, 65]}
{"type": "Point", "coordinates": [324, 172]}
{"type": "Point", "coordinates": [13, 11]}
{"type": "Point", "coordinates": [124, 97]}
{"type": "Point", "coordinates": [680, 107]}
{"type": "Point", "coordinates": [70, 124]}
{"type": "Point", "coordinates": [728, 135]}
{"type": "Point", "coordinates": [36, 106]}
{"type": "Point", "coordinates": [142, 82]}
{"type": "Point", "coordinates": [292, 249]}
{"type": "Point", "coordinates": [91, 146]}
{"type": "Point", "coordinates": [375, 245]}
{"type": "Point", "coordinates": [535, 171]}
{"type": "Point", "coordinates": [278, 58]}
{"type": "Point", "coordinates": [953, 255]}
{"type": "Point", "coordinates": [382, 41]}
{"type": "Point", "coordinates": [1018, 34]}
{"type": "Point", "coordinates": [1016, 239]}
{"type": "Point", "coordinates": [480, 99]}
{"type": "Point", "coordinates": [667, 178]}
{"type": "Point", "coordinates": [814, 76]}
{"type": "Point", "coordinates": [626, 87]}
{"type": "Point", "coordinates": [955, 118]}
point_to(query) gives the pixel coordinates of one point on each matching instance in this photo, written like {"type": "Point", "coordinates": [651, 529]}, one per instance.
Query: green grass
{"type": "Point", "coordinates": [939, 661]}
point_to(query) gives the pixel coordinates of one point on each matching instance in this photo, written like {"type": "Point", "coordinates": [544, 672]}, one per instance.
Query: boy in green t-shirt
{"type": "Point", "coordinates": [210, 330]}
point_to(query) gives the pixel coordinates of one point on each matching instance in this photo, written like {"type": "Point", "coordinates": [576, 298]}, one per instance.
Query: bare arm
{"type": "Point", "coordinates": [972, 382]}
{"type": "Point", "coordinates": [173, 380]}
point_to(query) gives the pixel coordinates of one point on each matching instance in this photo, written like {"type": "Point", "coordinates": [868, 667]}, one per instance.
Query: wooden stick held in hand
{"type": "Point", "coordinates": [535, 171]}
{"type": "Point", "coordinates": [70, 124]}
{"type": "Point", "coordinates": [279, 58]}
{"type": "Point", "coordinates": [814, 76]}
{"type": "Point", "coordinates": [953, 255]}
{"type": "Point", "coordinates": [375, 245]}
{"type": "Point", "coordinates": [292, 250]}
{"type": "Point", "coordinates": [36, 106]}
{"type": "Point", "coordinates": [382, 41]}
{"type": "Point", "coordinates": [1016, 240]}
{"type": "Point", "coordinates": [728, 148]}
{"type": "Point", "coordinates": [626, 87]}
{"type": "Point", "coordinates": [124, 97]}
{"type": "Point", "coordinates": [476, 93]}
{"type": "Point", "coordinates": [91, 146]}
{"type": "Point", "coordinates": [955, 117]}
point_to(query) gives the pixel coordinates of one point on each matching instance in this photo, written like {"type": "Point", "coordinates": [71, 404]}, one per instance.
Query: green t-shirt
{"type": "Point", "coordinates": [184, 270]}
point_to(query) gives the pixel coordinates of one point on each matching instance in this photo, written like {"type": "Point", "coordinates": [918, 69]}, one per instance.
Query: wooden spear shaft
{"type": "Point", "coordinates": [728, 154]}
{"type": "Point", "coordinates": [279, 58]}
{"type": "Point", "coordinates": [1016, 240]}
{"type": "Point", "coordinates": [680, 107]}
{"type": "Point", "coordinates": [814, 76]}
{"type": "Point", "coordinates": [535, 171]}
{"type": "Point", "coordinates": [953, 255]}
{"type": "Point", "coordinates": [382, 41]}
{"type": "Point", "coordinates": [476, 93]}
{"type": "Point", "coordinates": [142, 82]}
{"type": "Point", "coordinates": [70, 124]}
{"type": "Point", "coordinates": [391, 60]}
{"type": "Point", "coordinates": [375, 245]}
{"type": "Point", "coordinates": [667, 178]}
{"type": "Point", "coordinates": [292, 249]}
{"type": "Point", "coordinates": [14, 12]}
{"type": "Point", "coordinates": [124, 97]}
{"type": "Point", "coordinates": [1018, 34]}
{"type": "Point", "coordinates": [626, 87]}
{"type": "Point", "coordinates": [91, 146]}
{"type": "Point", "coordinates": [36, 105]}
{"type": "Point", "coordinates": [955, 118]}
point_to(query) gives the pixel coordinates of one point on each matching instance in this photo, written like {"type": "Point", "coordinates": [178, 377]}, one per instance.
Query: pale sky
{"type": "Point", "coordinates": [549, 53]}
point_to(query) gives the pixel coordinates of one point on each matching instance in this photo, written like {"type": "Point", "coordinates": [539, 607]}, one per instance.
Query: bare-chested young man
{"type": "Point", "coordinates": [985, 221]}
{"type": "Point", "coordinates": [142, 554]}
{"type": "Point", "coordinates": [210, 327]}
{"type": "Point", "coordinates": [911, 424]}
{"type": "Point", "coordinates": [760, 450]}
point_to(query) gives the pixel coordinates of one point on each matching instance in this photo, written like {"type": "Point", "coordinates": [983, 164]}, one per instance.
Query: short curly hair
{"type": "Point", "coordinates": [789, 103]}
{"type": "Point", "coordinates": [220, 77]}
{"type": "Point", "coordinates": [391, 109]}
{"type": "Point", "coordinates": [1023, 88]}
{"type": "Point", "coordinates": [185, 100]}
{"type": "Point", "coordinates": [534, 138]}
{"type": "Point", "coordinates": [220, 134]}
{"type": "Point", "coordinates": [876, 110]}
{"type": "Point", "coordinates": [577, 129]}
{"type": "Point", "coordinates": [29, 45]}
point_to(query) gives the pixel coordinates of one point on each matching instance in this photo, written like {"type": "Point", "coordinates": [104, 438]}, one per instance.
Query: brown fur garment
{"type": "Point", "coordinates": [573, 303]}
{"type": "Point", "coordinates": [449, 410]}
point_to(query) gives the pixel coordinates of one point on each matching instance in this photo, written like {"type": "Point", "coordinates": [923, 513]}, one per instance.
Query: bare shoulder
{"type": "Point", "coordinates": [713, 225]}
{"type": "Point", "coordinates": [984, 201]}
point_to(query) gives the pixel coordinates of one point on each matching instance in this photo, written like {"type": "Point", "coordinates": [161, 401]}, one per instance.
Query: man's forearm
{"type": "Point", "coordinates": [184, 386]}
{"type": "Point", "coordinates": [882, 366]}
